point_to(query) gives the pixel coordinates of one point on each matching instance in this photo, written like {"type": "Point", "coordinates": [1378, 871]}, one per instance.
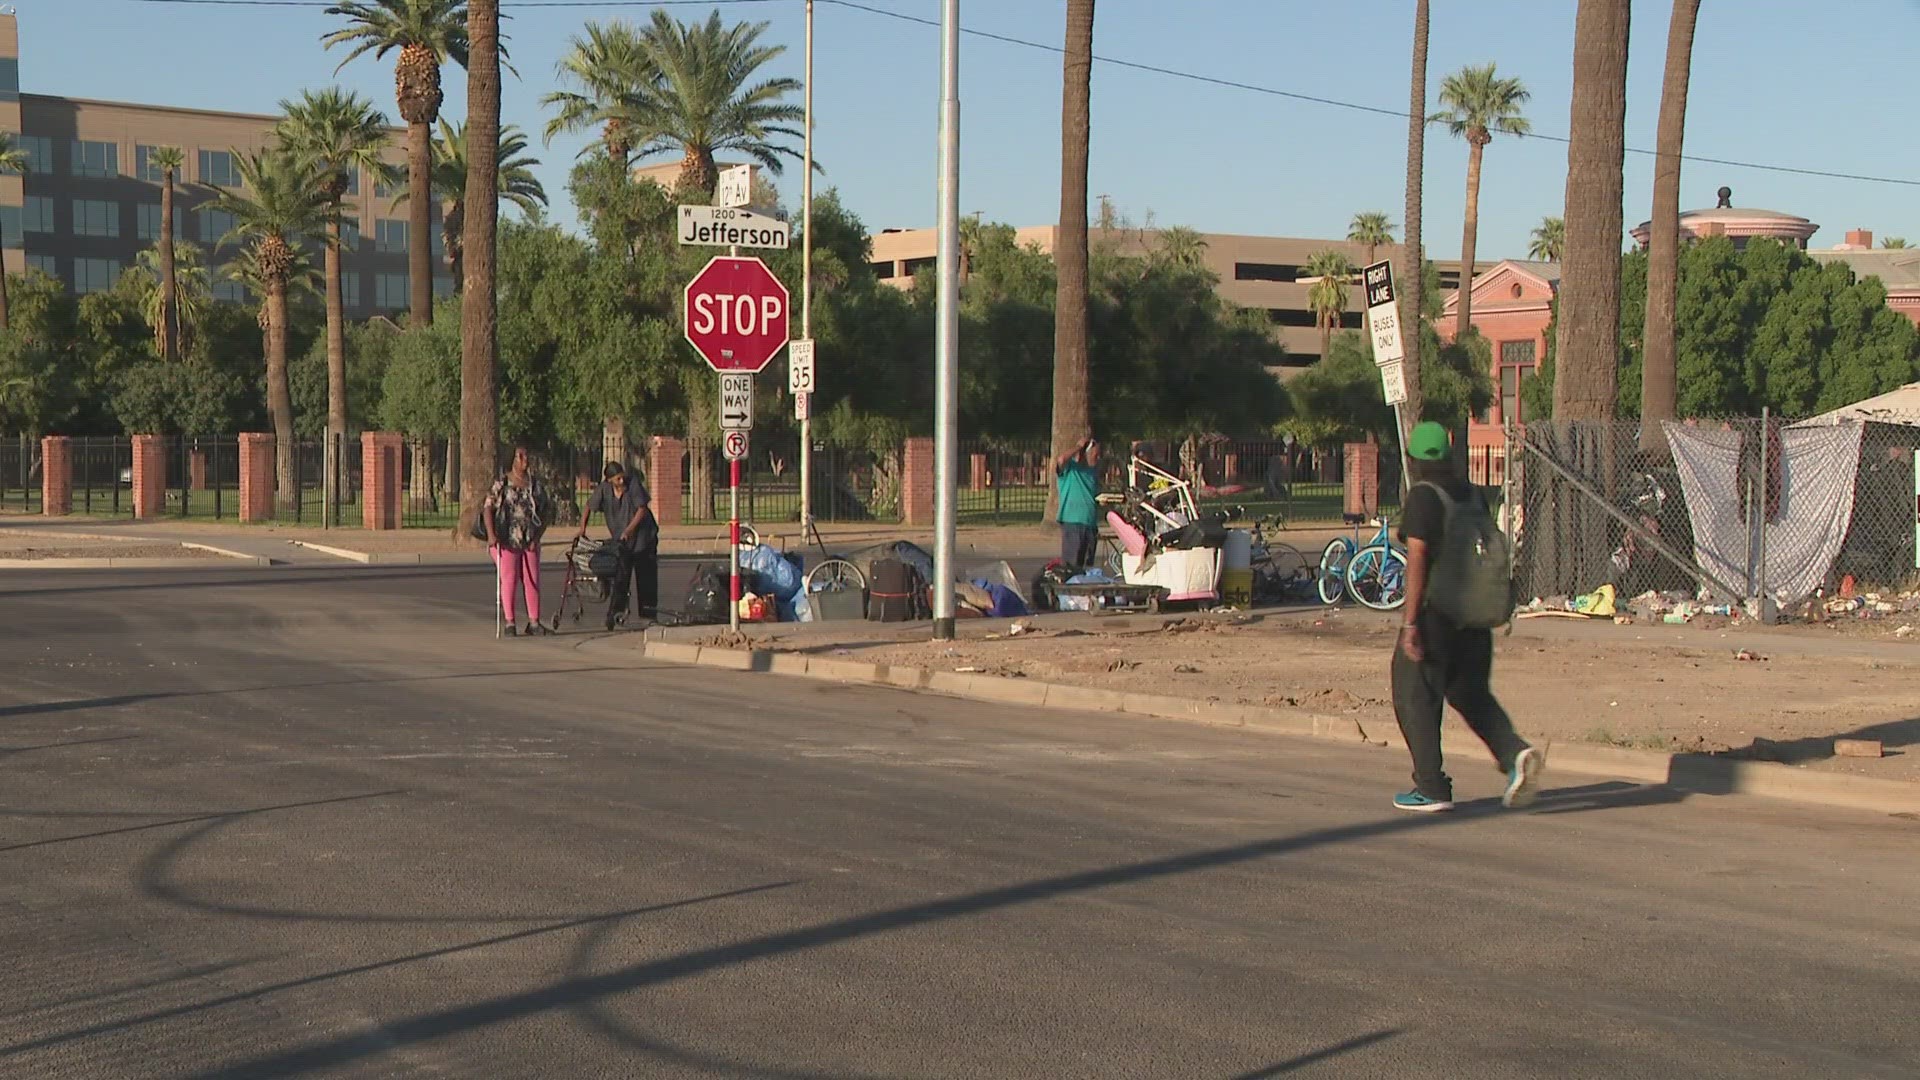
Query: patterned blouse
{"type": "Point", "coordinates": [516, 511]}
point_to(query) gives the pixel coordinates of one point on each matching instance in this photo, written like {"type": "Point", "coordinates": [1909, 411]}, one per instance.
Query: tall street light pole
{"type": "Point", "coordinates": [946, 345]}
{"type": "Point", "coordinates": [806, 291]}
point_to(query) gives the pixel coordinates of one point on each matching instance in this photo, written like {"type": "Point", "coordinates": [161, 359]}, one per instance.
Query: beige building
{"type": "Point", "coordinates": [89, 203]}
{"type": "Point", "coordinates": [1258, 272]}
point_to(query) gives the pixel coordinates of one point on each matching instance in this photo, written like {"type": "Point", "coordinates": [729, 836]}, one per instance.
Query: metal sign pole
{"type": "Point", "coordinates": [806, 286]}
{"type": "Point", "coordinates": [733, 522]}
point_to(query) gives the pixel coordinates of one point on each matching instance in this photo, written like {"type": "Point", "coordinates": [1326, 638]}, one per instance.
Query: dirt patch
{"type": "Point", "coordinates": [1787, 707]}
{"type": "Point", "coordinates": [40, 546]}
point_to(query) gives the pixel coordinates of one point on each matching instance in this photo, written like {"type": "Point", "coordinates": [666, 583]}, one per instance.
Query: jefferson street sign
{"type": "Point", "coordinates": [726, 226]}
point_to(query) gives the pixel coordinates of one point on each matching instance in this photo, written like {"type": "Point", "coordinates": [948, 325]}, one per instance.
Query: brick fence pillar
{"type": "Point", "coordinates": [197, 469]}
{"type": "Point", "coordinates": [1362, 482]}
{"type": "Point", "coordinates": [149, 476]}
{"type": "Point", "coordinates": [665, 458]}
{"type": "Point", "coordinates": [56, 476]}
{"type": "Point", "coordinates": [380, 479]}
{"type": "Point", "coordinates": [978, 477]}
{"type": "Point", "coordinates": [916, 482]}
{"type": "Point", "coordinates": [256, 476]}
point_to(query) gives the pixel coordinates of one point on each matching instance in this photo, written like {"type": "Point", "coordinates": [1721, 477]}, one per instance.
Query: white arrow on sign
{"type": "Point", "coordinates": [736, 401]}
{"type": "Point", "coordinates": [727, 226]}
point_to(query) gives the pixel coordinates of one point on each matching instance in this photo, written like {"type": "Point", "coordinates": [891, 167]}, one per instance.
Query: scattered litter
{"type": "Point", "coordinates": [1745, 654]}
{"type": "Point", "coordinates": [1904, 631]}
{"type": "Point", "coordinates": [1017, 629]}
{"type": "Point", "coordinates": [1185, 669]}
{"type": "Point", "coordinates": [969, 670]}
{"type": "Point", "coordinates": [1122, 665]}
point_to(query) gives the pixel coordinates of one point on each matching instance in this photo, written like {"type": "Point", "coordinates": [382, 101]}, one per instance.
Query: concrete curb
{"type": "Point", "coordinates": [230, 561]}
{"type": "Point", "coordinates": [1699, 773]}
{"type": "Point", "coordinates": [258, 560]}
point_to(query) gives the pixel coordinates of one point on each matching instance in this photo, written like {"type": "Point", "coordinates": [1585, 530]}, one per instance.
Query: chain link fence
{"type": "Point", "coordinates": [1727, 512]}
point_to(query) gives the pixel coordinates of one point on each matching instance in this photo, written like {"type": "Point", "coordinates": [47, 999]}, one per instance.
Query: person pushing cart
{"type": "Point", "coordinates": [626, 505]}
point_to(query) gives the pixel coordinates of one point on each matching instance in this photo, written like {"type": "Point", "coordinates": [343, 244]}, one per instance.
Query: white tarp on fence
{"type": "Point", "coordinates": [1812, 513]}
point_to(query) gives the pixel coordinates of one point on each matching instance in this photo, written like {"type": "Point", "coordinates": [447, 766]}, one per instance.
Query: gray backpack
{"type": "Point", "coordinates": [1470, 581]}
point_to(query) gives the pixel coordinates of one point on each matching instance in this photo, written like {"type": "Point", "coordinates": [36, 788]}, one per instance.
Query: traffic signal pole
{"type": "Point", "coordinates": [946, 382]}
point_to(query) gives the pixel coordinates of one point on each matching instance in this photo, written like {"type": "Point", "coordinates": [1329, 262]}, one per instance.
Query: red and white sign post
{"type": "Point", "coordinates": [737, 318]}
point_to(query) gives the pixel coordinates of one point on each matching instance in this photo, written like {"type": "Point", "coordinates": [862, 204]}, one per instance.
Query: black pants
{"type": "Point", "coordinates": [1078, 543]}
{"type": "Point", "coordinates": [642, 569]}
{"type": "Point", "coordinates": [1456, 671]}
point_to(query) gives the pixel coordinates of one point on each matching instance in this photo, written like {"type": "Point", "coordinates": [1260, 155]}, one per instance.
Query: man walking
{"type": "Point", "coordinates": [1076, 478]}
{"type": "Point", "coordinates": [1458, 589]}
{"type": "Point", "coordinates": [635, 536]}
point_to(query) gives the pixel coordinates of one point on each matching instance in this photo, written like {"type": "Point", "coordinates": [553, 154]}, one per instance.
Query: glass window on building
{"type": "Point", "coordinates": [9, 78]}
{"type": "Point", "coordinates": [1518, 359]}
{"type": "Point", "coordinates": [10, 231]}
{"type": "Point", "coordinates": [443, 285]}
{"type": "Point", "coordinates": [217, 168]}
{"type": "Point", "coordinates": [46, 264]}
{"type": "Point", "coordinates": [386, 190]}
{"type": "Point", "coordinates": [214, 226]}
{"type": "Point", "coordinates": [229, 292]}
{"type": "Point", "coordinates": [349, 235]}
{"type": "Point", "coordinates": [390, 291]}
{"type": "Point", "coordinates": [145, 169]}
{"type": "Point", "coordinates": [149, 222]}
{"type": "Point", "coordinates": [350, 290]}
{"type": "Point", "coordinates": [38, 150]}
{"type": "Point", "coordinates": [95, 158]}
{"type": "Point", "coordinates": [38, 214]}
{"type": "Point", "coordinates": [390, 237]}
{"type": "Point", "coordinates": [94, 275]}
{"type": "Point", "coordinates": [353, 182]}
{"type": "Point", "coordinates": [96, 217]}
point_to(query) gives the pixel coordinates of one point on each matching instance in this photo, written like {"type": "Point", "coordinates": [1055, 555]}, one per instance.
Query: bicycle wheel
{"type": "Point", "coordinates": [1331, 581]}
{"type": "Point", "coordinates": [1377, 577]}
{"type": "Point", "coordinates": [835, 575]}
{"type": "Point", "coordinates": [1281, 573]}
{"type": "Point", "coordinates": [1110, 561]}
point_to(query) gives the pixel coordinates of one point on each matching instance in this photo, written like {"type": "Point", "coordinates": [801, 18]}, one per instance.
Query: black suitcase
{"type": "Point", "coordinates": [897, 592]}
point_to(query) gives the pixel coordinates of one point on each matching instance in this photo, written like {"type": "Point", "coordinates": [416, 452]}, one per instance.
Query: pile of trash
{"type": "Point", "coordinates": [1850, 603]}
{"type": "Point", "coordinates": [1652, 606]}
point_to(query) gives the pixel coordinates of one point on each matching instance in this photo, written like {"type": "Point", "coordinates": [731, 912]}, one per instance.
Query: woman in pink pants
{"type": "Point", "coordinates": [514, 525]}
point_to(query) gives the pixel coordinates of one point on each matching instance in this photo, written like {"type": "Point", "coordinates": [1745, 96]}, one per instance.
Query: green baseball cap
{"type": "Point", "coordinates": [1429, 442]}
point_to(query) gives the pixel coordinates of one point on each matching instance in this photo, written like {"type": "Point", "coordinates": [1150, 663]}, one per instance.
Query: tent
{"type": "Point", "coordinates": [1900, 406]}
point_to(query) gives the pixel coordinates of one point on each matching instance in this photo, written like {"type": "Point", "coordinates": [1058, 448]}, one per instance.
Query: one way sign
{"type": "Point", "coordinates": [736, 401]}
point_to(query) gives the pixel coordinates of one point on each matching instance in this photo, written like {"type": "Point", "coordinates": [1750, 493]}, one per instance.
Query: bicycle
{"type": "Point", "coordinates": [1280, 571]}
{"type": "Point", "coordinates": [1373, 572]}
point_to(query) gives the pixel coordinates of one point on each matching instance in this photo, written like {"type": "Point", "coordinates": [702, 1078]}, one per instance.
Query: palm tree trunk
{"type": "Point", "coordinates": [699, 175]}
{"type": "Point", "coordinates": [1469, 240]}
{"type": "Point", "coordinates": [169, 296]}
{"type": "Point", "coordinates": [453, 224]}
{"type": "Point", "coordinates": [420, 224]}
{"type": "Point", "coordinates": [6, 320]}
{"type": "Point", "coordinates": [479, 344]}
{"type": "Point", "coordinates": [1326, 334]}
{"type": "Point", "coordinates": [1412, 260]}
{"type": "Point", "coordinates": [336, 372]}
{"type": "Point", "coordinates": [1658, 385]}
{"type": "Point", "coordinates": [1072, 421]}
{"type": "Point", "coordinates": [1587, 349]}
{"type": "Point", "coordinates": [279, 396]}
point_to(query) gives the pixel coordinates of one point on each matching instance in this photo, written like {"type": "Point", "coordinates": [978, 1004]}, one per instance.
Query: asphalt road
{"type": "Point", "coordinates": [319, 823]}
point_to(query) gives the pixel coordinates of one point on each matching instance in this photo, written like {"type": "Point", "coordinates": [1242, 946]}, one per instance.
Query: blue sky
{"type": "Point", "coordinates": [1775, 81]}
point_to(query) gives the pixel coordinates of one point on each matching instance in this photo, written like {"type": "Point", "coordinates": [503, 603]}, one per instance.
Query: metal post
{"type": "Point", "coordinates": [946, 382]}
{"type": "Point", "coordinates": [806, 285]}
{"type": "Point", "coordinates": [1766, 604]}
{"type": "Point", "coordinates": [733, 546]}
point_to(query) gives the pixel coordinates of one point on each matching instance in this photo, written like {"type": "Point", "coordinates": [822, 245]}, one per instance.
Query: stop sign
{"type": "Point", "coordinates": [736, 314]}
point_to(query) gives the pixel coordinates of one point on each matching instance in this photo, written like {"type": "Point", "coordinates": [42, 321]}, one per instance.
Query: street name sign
{"type": "Point", "coordinates": [736, 314]}
{"type": "Point", "coordinates": [735, 187]}
{"type": "Point", "coordinates": [736, 401]}
{"type": "Point", "coordinates": [726, 226]}
{"type": "Point", "coordinates": [1383, 316]}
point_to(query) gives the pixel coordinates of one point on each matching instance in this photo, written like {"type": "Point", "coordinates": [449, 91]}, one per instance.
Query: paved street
{"type": "Point", "coordinates": [317, 822]}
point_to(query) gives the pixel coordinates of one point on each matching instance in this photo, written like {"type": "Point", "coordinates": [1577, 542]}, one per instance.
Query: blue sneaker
{"type": "Point", "coordinates": [1420, 804]}
{"type": "Point", "coordinates": [1523, 783]}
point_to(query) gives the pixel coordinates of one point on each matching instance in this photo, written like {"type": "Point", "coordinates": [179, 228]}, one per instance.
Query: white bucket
{"type": "Point", "coordinates": [1238, 550]}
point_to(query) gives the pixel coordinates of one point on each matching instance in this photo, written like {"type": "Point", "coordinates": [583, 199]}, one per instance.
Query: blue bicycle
{"type": "Point", "coordinates": [1373, 572]}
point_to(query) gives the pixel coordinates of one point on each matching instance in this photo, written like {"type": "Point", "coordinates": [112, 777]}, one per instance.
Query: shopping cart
{"type": "Point", "coordinates": [591, 564]}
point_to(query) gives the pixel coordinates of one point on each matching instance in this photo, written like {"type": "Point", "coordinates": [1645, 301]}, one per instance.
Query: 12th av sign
{"type": "Point", "coordinates": [736, 314]}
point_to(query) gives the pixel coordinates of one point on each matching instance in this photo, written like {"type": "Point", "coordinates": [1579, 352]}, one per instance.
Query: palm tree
{"type": "Point", "coordinates": [337, 134]}
{"type": "Point", "coordinates": [1658, 385]}
{"type": "Point", "coordinates": [1478, 103]}
{"type": "Point", "coordinates": [608, 65]}
{"type": "Point", "coordinates": [1412, 270]}
{"type": "Point", "coordinates": [281, 208]}
{"type": "Point", "coordinates": [1183, 246]}
{"type": "Point", "coordinates": [1371, 228]}
{"type": "Point", "coordinates": [12, 160]}
{"type": "Point", "coordinates": [1330, 272]}
{"type": "Point", "coordinates": [170, 160]}
{"type": "Point", "coordinates": [1586, 349]}
{"type": "Point", "coordinates": [428, 33]}
{"type": "Point", "coordinates": [182, 291]}
{"type": "Point", "coordinates": [1893, 242]}
{"type": "Point", "coordinates": [1072, 418]}
{"type": "Point", "coordinates": [697, 98]}
{"type": "Point", "coordinates": [516, 182]}
{"type": "Point", "coordinates": [1549, 240]}
{"type": "Point", "coordinates": [479, 338]}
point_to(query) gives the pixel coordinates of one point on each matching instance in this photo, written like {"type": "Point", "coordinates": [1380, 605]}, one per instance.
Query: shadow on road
{"type": "Point", "coordinates": [11, 750]}
{"type": "Point", "coordinates": [78, 704]}
{"type": "Point", "coordinates": [227, 815]}
{"type": "Point", "coordinates": [1358, 1042]}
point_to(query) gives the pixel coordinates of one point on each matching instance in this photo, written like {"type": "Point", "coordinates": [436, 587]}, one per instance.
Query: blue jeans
{"type": "Point", "coordinates": [1078, 543]}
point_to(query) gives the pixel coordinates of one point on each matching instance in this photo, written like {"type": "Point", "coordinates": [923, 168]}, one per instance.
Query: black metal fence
{"type": "Point", "coordinates": [849, 485]}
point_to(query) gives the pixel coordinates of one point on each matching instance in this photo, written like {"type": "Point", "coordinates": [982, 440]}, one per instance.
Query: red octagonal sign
{"type": "Point", "coordinates": [736, 314]}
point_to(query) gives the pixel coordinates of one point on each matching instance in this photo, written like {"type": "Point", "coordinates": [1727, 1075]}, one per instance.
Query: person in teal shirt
{"type": "Point", "coordinates": [1076, 477]}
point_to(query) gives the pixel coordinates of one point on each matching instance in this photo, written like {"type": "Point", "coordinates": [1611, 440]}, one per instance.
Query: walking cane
{"type": "Point", "coordinates": [497, 615]}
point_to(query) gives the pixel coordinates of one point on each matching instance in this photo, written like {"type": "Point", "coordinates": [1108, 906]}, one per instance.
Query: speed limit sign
{"type": "Point", "coordinates": [735, 446]}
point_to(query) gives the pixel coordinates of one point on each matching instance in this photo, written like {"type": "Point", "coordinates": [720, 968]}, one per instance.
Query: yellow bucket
{"type": "Point", "coordinates": [1236, 588]}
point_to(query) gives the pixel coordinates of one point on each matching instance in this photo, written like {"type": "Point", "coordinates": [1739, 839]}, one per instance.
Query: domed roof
{"type": "Point", "coordinates": [1738, 222]}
